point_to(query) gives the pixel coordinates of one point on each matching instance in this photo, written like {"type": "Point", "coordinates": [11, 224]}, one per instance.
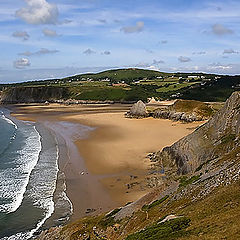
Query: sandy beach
{"type": "Point", "coordinates": [106, 168]}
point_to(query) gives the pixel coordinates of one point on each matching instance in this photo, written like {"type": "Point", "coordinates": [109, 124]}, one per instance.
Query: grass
{"type": "Point", "coordinates": [155, 203]}
{"type": "Point", "coordinates": [168, 230]}
{"type": "Point", "coordinates": [141, 84]}
{"type": "Point", "coordinates": [184, 181]}
{"type": "Point", "coordinates": [201, 166]}
{"type": "Point", "coordinates": [120, 75]}
{"type": "Point", "coordinates": [228, 139]}
{"type": "Point", "coordinates": [201, 108]}
{"type": "Point", "coordinates": [213, 91]}
{"type": "Point", "coordinates": [175, 87]}
{"type": "Point", "coordinates": [108, 220]}
{"type": "Point", "coordinates": [214, 217]}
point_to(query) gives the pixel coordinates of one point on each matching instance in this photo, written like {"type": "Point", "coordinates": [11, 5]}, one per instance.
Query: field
{"type": "Point", "coordinates": [124, 85]}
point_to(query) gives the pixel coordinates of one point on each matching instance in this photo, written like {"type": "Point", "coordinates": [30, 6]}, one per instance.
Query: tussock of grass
{"type": "Point", "coordinates": [228, 138]}
{"type": "Point", "coordinates": [198, 107]}
{"type": "Point", "coordinates": [172, 229]}
{"type": "Point", "coordinates": [184, 181]}
{"type": "Point", "coordinates": [155, 203]}
{"type": "Point", "coordinates": [108, 220]}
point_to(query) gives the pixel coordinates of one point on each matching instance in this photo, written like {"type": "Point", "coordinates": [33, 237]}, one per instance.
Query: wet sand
{"type": "Point", "coordinates": [106, 168]}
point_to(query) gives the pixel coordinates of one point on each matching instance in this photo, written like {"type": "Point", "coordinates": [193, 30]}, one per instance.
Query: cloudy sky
{"type": "Point", "coordinates": [42, 39]}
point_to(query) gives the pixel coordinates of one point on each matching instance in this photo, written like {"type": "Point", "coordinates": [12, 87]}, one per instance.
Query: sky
{"type": "Point", "coordinates": [42, 39]}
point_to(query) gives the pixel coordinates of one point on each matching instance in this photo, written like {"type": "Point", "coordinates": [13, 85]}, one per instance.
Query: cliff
{"type": "Point", "coordinates": [219, 136]}
{"type": "Point", "coordinates": [180, 110]}
{"type": "Point", "coordinates": [33, 94]}
{"type": "Point", "coordinates": [185, 111]}
{"type": "Point", "coordinates": [198, 196]}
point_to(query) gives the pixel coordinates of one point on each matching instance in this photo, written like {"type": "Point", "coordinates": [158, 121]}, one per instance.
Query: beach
{"type": "Point", "coordinates": [103, 154]}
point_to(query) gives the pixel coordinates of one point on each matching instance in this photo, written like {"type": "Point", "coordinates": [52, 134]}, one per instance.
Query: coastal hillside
{"type": "Point", "coordinates": [196, 193]}
{"type": "Point", "coordinates": [217, 138]}
{"type": "Point", "coordinates": [33, 94]}
{"type": "Point", "coordinates": [126, 85]}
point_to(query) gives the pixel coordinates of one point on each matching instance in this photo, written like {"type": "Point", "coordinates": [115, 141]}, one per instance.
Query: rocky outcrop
{"type": "Point", "coordinates": [33, 94]}
{"type": "Point", "coordinates": [180, 110]}
{"type": "Point", "coordinates": [218, 137]}
{"type": "Point", "coordinates": [176, 116]}
{"type": "Point", "coordinates": [185, 111]}
{"type": "Point", "coordinates": [138, 110]}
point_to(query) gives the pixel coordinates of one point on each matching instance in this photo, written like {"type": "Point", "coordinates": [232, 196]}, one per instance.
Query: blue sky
{"type": "Point", "coordinates": [42, 39]}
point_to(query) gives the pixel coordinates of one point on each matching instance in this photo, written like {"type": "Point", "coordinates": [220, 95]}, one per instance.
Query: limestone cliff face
{"type": "Point", "coordinates": [210, 157]}
{"type": "Point", "coordinates": [33, 94]}
{"type": "Point", "coordinates": [218, 137]}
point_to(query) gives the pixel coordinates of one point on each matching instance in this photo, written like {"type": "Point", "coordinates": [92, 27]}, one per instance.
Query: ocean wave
{"type": "Point", "coordinates": [43, 184]}
{"type": "Point", "coordinates": [39, 183]}
{"type": "Point", "coordinates": [8, 120]}
{"type": "Point", "coordinates": [14, 180]}
{"type": "Point", "coordinates": [7, 135]}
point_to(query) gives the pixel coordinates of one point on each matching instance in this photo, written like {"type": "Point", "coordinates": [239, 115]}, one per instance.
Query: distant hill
{"type": "Point", "coordinates": [116, 75]}
{"type": "Point", "coordinates": [133, 84]}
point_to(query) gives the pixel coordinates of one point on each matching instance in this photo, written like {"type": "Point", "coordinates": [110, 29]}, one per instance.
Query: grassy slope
{"type": "Point", "coordinates": [215, 217]}
{"type": "Point", "coordinates": [200, 108]}
{"type": "Point", "coordinates": [213, 91]}
{"type": "Point", "coordinates": [122, 74]}
{"type": "Point", "coordinates": [149, 86]}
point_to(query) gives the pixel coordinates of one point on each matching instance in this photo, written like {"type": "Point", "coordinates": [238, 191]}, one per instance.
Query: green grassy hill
{"type": "Point", "coordinates": [134, 84]}
{"type": "Point", "coordinates": [116, 75]}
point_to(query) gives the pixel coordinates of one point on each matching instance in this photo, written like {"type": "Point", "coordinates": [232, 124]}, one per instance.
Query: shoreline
{"type": "Point", "coordinates": [37, 196]}
{"type": "Point", "coordinates": [108, 168]}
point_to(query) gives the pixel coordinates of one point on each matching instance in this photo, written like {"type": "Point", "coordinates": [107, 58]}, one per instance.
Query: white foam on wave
{"type": "Point", "coordinates": [8, 120]}
{"type": "Point", "coordinates": [14, 181]}
{"type": "Point", "coordinates": [45, 175]}
{"type": "Point", "coordinates": [41, 189]}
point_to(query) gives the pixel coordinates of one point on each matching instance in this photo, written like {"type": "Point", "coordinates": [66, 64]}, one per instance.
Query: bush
{"type": "Point", "coordinates": [155, 203]}
{"type": "Point", "coordinates": [169, 230]}
{"type": "Point", "coordinates": [184, 181]}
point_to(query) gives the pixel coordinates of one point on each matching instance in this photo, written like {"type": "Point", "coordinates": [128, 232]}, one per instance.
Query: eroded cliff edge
{"type": "Point", "coordinates": [33, 94]}
{"type": "Point", "coordinates": [198, 196]}
{"type": "Point", "coordinates": [218, 137]}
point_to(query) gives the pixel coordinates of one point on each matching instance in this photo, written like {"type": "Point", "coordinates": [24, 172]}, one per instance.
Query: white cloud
{"type": "Point", "coordinates": [164, 42]}
{"type": "Point", "coordinates": [21, 34]}
{"type": "Point", "coordinates": [89, 51]}
{"type": "Point", "coordinates": [229, 51]}
{"type": "Point", "coordinates": [133, 29]}
{"type": "Point", "coordinates": [38, 12]}
{"type": "Point", "coordinates": [49, 33]}
{"type": "Point", "coordinates": [21, 63]}
{"type": "Point", "coordinates": [103, 21]}
{"type": "Point", "coordinates": [220, 30]}
{"type": "Point", "coordinates": [184, 59]}
{"type": "Point", "coordinates": [143, 65]}
{"type": "Point", "coordinates": [156, 62]}
{"type": "Point", "coordinates": [199, 53]}
{"type": "Point", "coordinates": [219, 66]}
{"type": "Point", "coordinates": [42, 51]}
{"type": "Point", "coordinates": [106, 53]}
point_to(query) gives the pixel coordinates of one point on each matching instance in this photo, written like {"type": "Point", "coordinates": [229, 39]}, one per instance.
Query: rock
{"type": "Point", "coordinates": [176, 116]}
{"type": "Point", "coordinates": [169, 217]}
{"type": "Point", "coordinates": [215, 138]}
{"type": "Point", "coordinates": [33, 94]}
{"type": "Point", "coordinates": [138, 110]}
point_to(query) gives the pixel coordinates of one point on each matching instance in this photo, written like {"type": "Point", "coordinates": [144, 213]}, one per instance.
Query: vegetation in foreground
{"type": "Point", "coordinates": [201, 203]}
{"type": "Point", "coordinates": [214, 217]}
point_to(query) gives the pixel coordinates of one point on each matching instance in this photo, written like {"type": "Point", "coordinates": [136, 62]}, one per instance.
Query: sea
{"type": "Point", "coordinates": [32, 188]}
